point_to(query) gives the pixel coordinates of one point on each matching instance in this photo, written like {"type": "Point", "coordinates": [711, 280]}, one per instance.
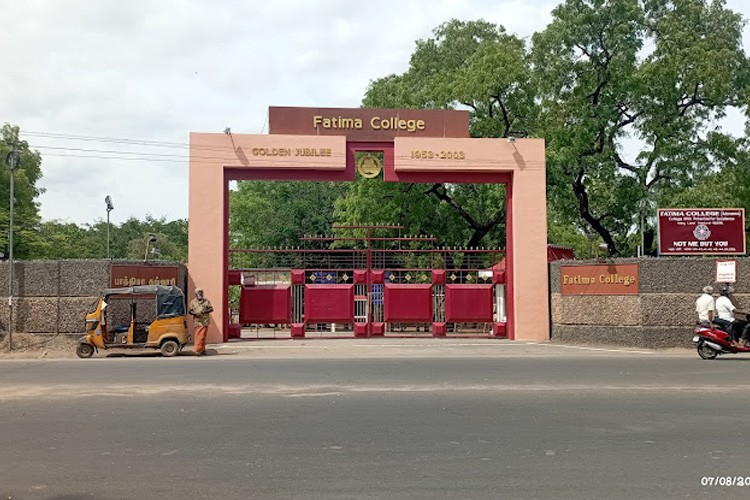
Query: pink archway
{"type": "Point", "coordinates": [217, 159]}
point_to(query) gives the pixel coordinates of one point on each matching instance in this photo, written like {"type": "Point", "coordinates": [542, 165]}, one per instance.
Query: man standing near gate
{"type": "Point", "coordinates": [200, 308]}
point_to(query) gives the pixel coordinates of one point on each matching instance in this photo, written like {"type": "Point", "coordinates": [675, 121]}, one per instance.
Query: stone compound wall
{"type": "Point", "coordinates": [661, 315]}
{"type": "Point", "coordinates": [55, 296]}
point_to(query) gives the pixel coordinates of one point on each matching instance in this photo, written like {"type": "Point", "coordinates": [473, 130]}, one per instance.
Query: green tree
{"type": "Point", "coordinates": [725, 188]}
{"type": "Point", "coordinates": [26, 220]}
{"type": "Point", "coordinates": [131, 239]}
{"type": "Point", "coordinates": [164, 248]}
{"type": "Point", "coordinates": [473, 65]}
{"type": "Point", "coordinates": [660, 72]}
{"type": "Point", "coordinates": [67, 241]}
{"type": "Point", "coordinates": [272, 214]}
{"type": "Point", "coordinates": [127, 241]}
{"type": "Point", "coordinates": [468, 215]}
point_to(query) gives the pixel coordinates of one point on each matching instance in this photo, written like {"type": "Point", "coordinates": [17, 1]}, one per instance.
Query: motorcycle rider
{"type": "Point", "coordinates": [727, 312]}
{"type": "Point", "coordinates": [705, 307]}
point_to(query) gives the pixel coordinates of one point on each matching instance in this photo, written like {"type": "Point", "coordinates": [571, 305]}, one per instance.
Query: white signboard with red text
{"type": "Point", "coordinates": [726, 271]}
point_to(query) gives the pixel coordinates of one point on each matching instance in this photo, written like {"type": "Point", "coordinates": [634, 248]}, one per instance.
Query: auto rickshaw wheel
{"type": "Point", "coordinates": [169, 348]}
{"type": "Point", "coordinates": [84, 350]}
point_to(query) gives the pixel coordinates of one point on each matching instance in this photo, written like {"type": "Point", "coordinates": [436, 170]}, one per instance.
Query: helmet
{"type": "Point", "coordinates": [726, 289]}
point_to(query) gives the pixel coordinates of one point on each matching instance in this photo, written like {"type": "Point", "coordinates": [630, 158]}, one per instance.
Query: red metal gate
{"type": "Point", "coordinates": [371, 291]}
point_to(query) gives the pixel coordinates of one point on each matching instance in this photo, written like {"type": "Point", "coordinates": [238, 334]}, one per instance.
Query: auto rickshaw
{"type": "Point", "coordinates": [138, 326]}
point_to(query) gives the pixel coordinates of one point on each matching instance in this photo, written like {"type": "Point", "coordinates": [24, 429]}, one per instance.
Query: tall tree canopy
{"type": "Point", "coordinates": [652, 76]}
{"type": "Point", "coordinates": [266, 214]}
{"type": "Point", "coordinates": [627, 94]}
{"type": "Point", "coordinates": [474, 65]}
{"type": "Point", "coordinates": [127, 240]}
{"type": "Point", "coordinates": [27, 241]}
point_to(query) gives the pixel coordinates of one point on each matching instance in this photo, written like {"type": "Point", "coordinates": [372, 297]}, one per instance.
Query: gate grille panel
{"type": "Point", "coordinates": [376, 299]}
{"type": "Point", "coordinates": [438, 303]}
{"type": "Point", "coordinates": [298, 303]}
{"type": "Point", "coordinates": [360, 303]}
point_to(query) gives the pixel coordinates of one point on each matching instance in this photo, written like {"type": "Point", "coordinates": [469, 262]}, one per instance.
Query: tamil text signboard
{"type": "Point", "coordinates": [693, 231]}
{"type": "Point", "coordinates": [599, 279]}
{"type": "Point", "coordinates": [125, 275]}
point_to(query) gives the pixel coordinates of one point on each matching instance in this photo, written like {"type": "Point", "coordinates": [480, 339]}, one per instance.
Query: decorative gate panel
{"type": "Point", "coordinates": [407, 303]}
{"type": "Point", "coordinates": [265, 304]}
{"type": "Point", "coordinates": [329, 303]}
{"type": "Point", "coordinates": [469, 303]}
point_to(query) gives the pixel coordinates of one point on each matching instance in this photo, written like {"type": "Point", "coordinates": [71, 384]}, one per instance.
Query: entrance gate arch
{"type": "Point", "coordinates": [320, 144]}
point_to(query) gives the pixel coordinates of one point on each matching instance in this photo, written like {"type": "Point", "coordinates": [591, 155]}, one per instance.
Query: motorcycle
{"type": "Point", "coordinates": [711, 342]}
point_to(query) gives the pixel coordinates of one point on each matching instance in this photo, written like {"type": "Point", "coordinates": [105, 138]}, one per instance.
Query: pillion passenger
{"type": "Point", "coordinates": [705, 307]}
{"type": "Point", "coordinates": [728, 316]}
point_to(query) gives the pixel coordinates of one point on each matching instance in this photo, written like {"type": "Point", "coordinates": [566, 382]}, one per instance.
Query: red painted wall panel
{"type": "Point", "coordinates": [329, 303]}
{"type": "Point", "coordinates": [408, 303]}
{"type": "Point", "coordinates": [265, 304]}
{"type": "Point", "coordinates": [468, 303]}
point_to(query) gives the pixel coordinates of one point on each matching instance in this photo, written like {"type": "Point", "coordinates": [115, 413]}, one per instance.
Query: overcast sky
{"type": "Point", "coordinates": [75, 74]}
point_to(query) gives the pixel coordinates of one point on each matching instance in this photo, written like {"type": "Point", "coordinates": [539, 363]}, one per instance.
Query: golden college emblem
{"type": "Point", "coordinates": [369, 166]}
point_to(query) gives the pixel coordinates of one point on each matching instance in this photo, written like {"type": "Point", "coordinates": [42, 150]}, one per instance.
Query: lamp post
{"type": "Point", "coordinates": [110, 207]}
{"type": "Point", "coordinates": [11, 161]}
{"type": "Point", "coordinates": [150, 241]}
{"type": "Point", "coordinates": [641, 210]}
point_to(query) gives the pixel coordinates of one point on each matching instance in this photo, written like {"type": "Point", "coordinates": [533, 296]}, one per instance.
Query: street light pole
{"type": "Point", "coordinates": [643, 239]}
{"type": "Point", "coordinates": [11, 161]}
{"type": "Point", "coordinates": [110, 207]}
{"type": "Point", "coordinates": [641, 210]}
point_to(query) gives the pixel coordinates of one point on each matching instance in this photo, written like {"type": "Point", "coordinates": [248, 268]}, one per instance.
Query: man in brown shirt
{"type": "Point", "coordinates": [200, 308]}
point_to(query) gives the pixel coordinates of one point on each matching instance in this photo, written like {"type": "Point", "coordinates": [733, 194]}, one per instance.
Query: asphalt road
{"type": "Point", "coordinates": [368, 421]}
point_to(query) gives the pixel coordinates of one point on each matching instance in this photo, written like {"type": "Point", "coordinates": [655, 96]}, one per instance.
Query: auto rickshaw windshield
{"type": "Point", "coordinates": [170, 301]}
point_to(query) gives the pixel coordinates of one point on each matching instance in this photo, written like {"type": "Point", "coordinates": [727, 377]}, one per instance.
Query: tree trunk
{"type": "Point", "coordinates": [579, 188]}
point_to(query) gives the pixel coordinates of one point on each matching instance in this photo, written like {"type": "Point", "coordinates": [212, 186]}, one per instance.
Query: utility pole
{"type": "Point", "coordinates": [110, 207]}
{"type": "Point", "coordinates": [11, 161]}
{"type": "Point", "coordinates": [641, 211]}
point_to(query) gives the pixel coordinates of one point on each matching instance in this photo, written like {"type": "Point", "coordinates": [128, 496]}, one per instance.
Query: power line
{"type": "Point", "coordinates": [287, 164]}
{"type": "Point", "coordinates": [118, 154]}
{"type": "Point", "coordinates": [118, 140]}
{"type": "Point", "coordinates": [112, 151]}
{"type": "Point", "coordinates": [61, 155]}
{"type": "Point", "coordinates": [134, 142]}
{"type": "Point", "coordinates": [139, 142]}
{"type": "Point", "coordinates": [111, 154]}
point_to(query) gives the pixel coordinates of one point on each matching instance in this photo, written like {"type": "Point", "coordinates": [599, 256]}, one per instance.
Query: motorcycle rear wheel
{"type": "Point", "coordinates": [706, 352]}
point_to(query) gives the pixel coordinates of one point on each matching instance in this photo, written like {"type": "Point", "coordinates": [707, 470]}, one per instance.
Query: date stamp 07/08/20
{"type": "Point", "coordinates": [725, 481]}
